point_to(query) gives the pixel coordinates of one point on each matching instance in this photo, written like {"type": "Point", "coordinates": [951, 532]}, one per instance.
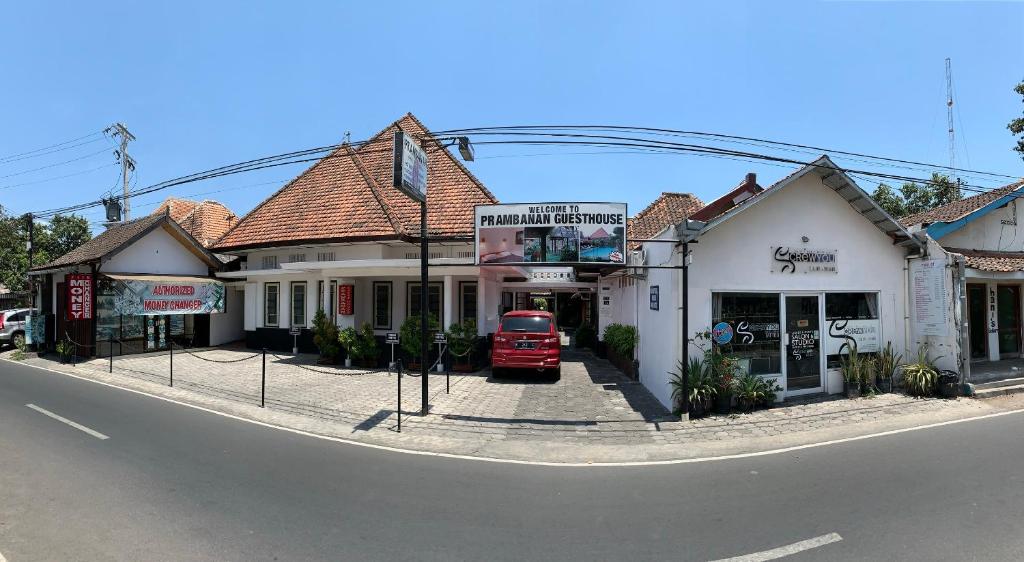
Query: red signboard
{"type": "Point", "coordinates": [346, 299]}
{"type": "Point", "coordinates": [78, 293]}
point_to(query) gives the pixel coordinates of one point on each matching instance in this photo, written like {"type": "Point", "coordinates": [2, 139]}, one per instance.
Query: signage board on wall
{"type": "Point", "coordinates": [865, 334]}
{"type": "Point", "coordinates": [551, 233]}
{"type": "Point", "coordinates": [928, 285]}
{"type": "Point", "coordinates": [789, 260]}
{"type": "Point", "coordinates": [346, 300]}
{"type": "Point", "coordinates": [410, 172]}
{"type": "Point", "coordinates": [149, 297]}
{"type": "Point", "coordinates": [78, 295]}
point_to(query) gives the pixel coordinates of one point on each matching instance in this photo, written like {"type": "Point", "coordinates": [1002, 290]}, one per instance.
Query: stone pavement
{"type": "Point", "coordinates": [593, 414]}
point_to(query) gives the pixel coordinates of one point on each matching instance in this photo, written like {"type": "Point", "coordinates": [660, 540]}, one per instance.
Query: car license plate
{"type": "Point", "coordinates": [526, 345]}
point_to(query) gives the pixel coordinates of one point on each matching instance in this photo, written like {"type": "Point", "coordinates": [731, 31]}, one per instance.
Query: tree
{"type": "Point", "coordinates": [63, 234]}
{"type": "Point", "coordinates": [1017, 125]}
{"type": "Point", "coordinates": [916, 197]}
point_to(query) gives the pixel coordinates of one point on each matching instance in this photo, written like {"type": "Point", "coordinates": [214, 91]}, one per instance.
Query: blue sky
{"type": "Point", "coordinates": [202, 84]}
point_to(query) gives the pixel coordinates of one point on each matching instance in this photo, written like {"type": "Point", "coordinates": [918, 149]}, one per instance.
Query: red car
{"type": "Point", "coordinates": [527, 339]}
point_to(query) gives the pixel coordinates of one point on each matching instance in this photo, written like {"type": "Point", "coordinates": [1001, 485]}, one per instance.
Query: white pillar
{"type": "Point", "coordinates": [447, 316]}
{"type": "Point", "coordinates": [481, 306]}
{"type": "Point", "coordinates": [993, 321]}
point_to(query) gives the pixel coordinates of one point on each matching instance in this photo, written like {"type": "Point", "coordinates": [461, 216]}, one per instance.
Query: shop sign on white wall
{"type": "Point", "coordinates": [789, 260]}
{"type": "Point", "coordinates": [865, 334]}
{"type": "Point", "coordinates": [928, 283]}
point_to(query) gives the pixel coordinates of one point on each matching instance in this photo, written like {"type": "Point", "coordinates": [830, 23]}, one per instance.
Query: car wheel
{"type": "Point", "coordinates": [18, 339]}
{"type": "Point", "coordinates": [497, 372]}
{"type": "Point", "coordinates": [556, 374]}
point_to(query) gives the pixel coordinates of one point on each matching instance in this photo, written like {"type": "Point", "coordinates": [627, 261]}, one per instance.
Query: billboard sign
{"type": "Point", "coordinates": [346, 300]}
{"type": "Point", "coordinates": [145, 297]}
{"type": "Point", "coordinates": [551, 233]}
{"type": "Point", "coordinates": [78, 303]}
{"type": "Point", "coordinates": [410, 167]}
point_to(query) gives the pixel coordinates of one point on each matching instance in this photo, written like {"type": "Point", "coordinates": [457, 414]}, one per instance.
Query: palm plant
{"type": "Point", "coordinates": [888, 362]}
{"type": "Point", "coordinates": [850, 367]}
{"type": "Point", "coordinates": [921, 377]}
{"type": "Point", "coordinates": [701, 388]}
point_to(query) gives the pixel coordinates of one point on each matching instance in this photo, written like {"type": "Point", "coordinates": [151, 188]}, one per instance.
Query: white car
{"type": "Point", "coordinates": [12, 326]}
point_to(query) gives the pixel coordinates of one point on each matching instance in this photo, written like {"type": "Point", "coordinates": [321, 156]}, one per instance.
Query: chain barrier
{"type": "Point", "coordinates": [329, 372]}
{"type": "Point", "coordinates": [210, 360]}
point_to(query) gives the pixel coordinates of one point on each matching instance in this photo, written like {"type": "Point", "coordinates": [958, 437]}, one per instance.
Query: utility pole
{"type": "Point", "coordinates": [127, 164]}
{"type": "Point", "coordinates": [949, 116]}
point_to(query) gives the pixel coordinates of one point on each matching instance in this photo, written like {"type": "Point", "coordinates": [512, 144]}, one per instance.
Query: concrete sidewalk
{"type": "Point", "coordinates": [593, 414]}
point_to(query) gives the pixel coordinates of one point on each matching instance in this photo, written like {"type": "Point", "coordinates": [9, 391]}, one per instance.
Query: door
{"type": "Point", "coordinates": [803, 344]}
{"type": "Point", "coordinates": [1008, 297]}
{"type": "Point", "coordinates": [976, 325]}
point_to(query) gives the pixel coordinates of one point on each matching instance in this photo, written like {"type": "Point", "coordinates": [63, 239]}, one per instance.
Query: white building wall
{"type": "Point", "coordinates": [1001, 230]}
{"type": "Point", "coordinates": [227, 327]}
{"type": "Point", "coordinates": [157, 253]}
{"type": "Point", "coordinates": [737, 256]}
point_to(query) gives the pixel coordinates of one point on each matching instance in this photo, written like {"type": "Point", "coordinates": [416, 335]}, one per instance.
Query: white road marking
{"type": "Point", "coordinates": [533, 463]}
{"type": "Point", "coordinates": [788, 550]}
{"type": "Point", "coordinates": [2, 559]}
{"type": "Point", "coordinates": [77, 426]}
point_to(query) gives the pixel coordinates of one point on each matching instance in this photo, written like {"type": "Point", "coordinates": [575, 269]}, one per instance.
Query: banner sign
{"type": "Point", "coordinates": [843, 334]}
{"type": "Point", "coordinates": [803, 260]}
{"type": "Point", "coordinates": [410, 167]}
{"type": "Point", "coordinates": [137, 297]}
{"type": "Point", "coordinates": [554, 233]}
{"type": "Point", "coordinates": [928, 285]}
{"type": "Point", "coordinates": [346, 300]}
{"type": "Point", "coordinates": [78, 295]}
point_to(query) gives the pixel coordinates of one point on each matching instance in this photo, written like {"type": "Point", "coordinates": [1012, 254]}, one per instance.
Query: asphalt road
{"type": "Point", "coordinates": [176, 483]}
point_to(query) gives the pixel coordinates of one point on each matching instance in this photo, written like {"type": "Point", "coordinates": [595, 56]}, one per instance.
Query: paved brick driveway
{"type": "Point", "coordinates": [593, 412]}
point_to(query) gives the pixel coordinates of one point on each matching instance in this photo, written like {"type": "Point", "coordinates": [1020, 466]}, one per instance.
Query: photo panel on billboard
{"type": "Point", "coordinates": [551, 233]}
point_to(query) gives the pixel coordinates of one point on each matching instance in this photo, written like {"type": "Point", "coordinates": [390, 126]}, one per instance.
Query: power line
{"type": "Point", "coordinates": [90, 155]}
{"type": "Point", "coordinates": [28, 155]}
{"type": "Point", "coordinates": [45, 180]}
{"type": "Point", "coordinates": [480, 130]}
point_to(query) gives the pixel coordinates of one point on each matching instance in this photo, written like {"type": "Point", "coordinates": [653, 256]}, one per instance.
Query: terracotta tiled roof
{"type": "Point", "coordinates": [991, 261]}
{"type": "Point", "coordinates": [745, 190]}
{"type": "Point", "coordinates": [959, 209]}
{"type": "Point", "coordinates": [347, 196]}
{"type": "Point", "coordinates": [108, 241]}
{"type": "Point", "coordinates": [207, 220]}
{"type": "Point", "coordinates": [667, 209]}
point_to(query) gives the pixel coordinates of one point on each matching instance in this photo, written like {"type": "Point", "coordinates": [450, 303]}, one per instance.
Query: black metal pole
{"type": "Point", "coordinates": [110, 349]}
{"type": "Point", "coordinates": [31, 239]}
{"type": "Point", "coordinates": [172, 363]}
{"type": "Point", "coordinates": [263, 380]}
{"type": "Point", "coordinates": [399, 369]}
{"type": "Point", "coordinates": [686, 331]}
{"type": "Point", "coordinates": [447, 370]}
{"type": "Point", "coordinates": [424, 314]}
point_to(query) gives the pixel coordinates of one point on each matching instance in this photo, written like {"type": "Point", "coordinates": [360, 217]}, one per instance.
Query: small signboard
{"type": "Point", "coordinates": [439, 337]}
{"type": "Point", "coordinates": [78, 288]}
{"type": "Point", "coordinates": [410, 167]}
{"type": "Point", "coordinates": [391, 338]}
{"type": "Point", "coordinates": [655, 297]}
{"type": "Point", "coordinates": [295, 330]}
{"type": "Point", "coordinates": [346, 300]}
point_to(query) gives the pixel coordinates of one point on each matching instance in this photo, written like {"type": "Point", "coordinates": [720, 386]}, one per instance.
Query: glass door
{"type": "Point", "coordinates": [1008, 297]}
{"type": "Point", "coordinates": [803, 344]}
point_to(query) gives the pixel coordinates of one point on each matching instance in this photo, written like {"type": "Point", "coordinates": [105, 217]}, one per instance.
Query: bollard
{"type": "Point", "coordinates": [172, 365]}
{"type": "Point", "coordinates": [447, 370]}
{"type": "Point", "coordinates": [110, 350]}
{"type": "Point", "coordinates": [263, 380]}
{"type": "Point", "coordinates": [399, 365]}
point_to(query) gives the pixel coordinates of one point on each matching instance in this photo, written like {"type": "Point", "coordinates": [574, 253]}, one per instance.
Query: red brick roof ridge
{"type": "Point", "coordinates": [375, 189]}
{"type": "Point", "coordinates": [461, 166]}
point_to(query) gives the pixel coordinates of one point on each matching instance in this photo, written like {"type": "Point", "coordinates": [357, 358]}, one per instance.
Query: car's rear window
{"type": "Point", "coordinates": [526, 324]}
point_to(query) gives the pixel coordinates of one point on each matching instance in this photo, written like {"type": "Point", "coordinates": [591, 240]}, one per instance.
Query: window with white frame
{"type": "Point", "coordinates": [269, 262]}
{"type": "Point", "coordinates": [325, 256]}
{"type": "Point", "coordinates": [298, 303]}
{"type": "Point", "coordinates": [467, 300]}
{"type": "Point", "coordinates": [435, 301]}
{"type": "Point", "coordinates": [382, 305]}
{"type": "Point", "coordinates": [296, 258]}
{"type": "Point", "coordinates": [271, 304]}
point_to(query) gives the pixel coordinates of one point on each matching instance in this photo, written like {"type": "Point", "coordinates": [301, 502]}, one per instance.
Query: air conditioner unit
{"type": "Point", "coordinates": [638, 258]}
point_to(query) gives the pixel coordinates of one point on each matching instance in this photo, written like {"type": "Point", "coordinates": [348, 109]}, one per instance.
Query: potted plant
{"type": "Point", "coordinates": [723, 374]}
{"type": "Point", "coordinates": [410, 337]}
{"type": "Point", "coordinates": [367, 348]}
{"type": "Point", "coordinates": [461, 340]}
{"type": "Point", "coordinates": [850, 368]}
{"type": "Point", "coordinates": [750, 392]}
{"type": "Point", "coordinates": [771, 391]}
{"type": "Point", "coordinates": [888, 362]}
{"type": "Point", "coordinates": [325, 337]}
{"type": "Point", "coordinates": [701, 388]}
{"type": "Point", "coordinates": [349, 340]}
{"type": "Point", "coordinates": [64, 350]}
{"type": "Point", "coordinates": [868, 372]}
{"type": "Point", "coordinates": [920, 378]}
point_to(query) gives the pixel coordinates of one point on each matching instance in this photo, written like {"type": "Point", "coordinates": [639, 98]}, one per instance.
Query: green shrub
{"type": "Point", "coordinates": [621, 339]}
{"type": "Point", "coordinates": [586, 336]}
{"type": "Point", "coordinates": [701, 387]}
{"type": "Point", "coordinates": [461, 339]}
{"type": "Point", "coordinates": [349, 338]}
{"type": "Point", "coordinates": [365, 345]}
{"type": "Point", "coordinates": [888, 362]}
{"type": "Point", "coordinates": [921, 378]}
{"type": "Point", "coordinates": [410, 334]}
{"type": "Point", "coordinates": [325, 335]}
